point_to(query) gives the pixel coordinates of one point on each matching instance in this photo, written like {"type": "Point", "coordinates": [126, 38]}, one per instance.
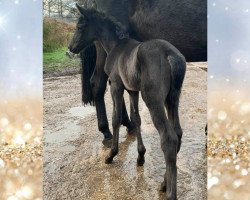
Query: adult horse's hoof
{"type": "Point", "coordinates": [163, 187]}
{"type": "Point", "coordinates": [107, 142]}
{"type": "Point", "coordinates": [108, 160]}
{"type": "Point", "coordinates": [131, 130]}
{"type": "Point", "coordinates": [140, 161]}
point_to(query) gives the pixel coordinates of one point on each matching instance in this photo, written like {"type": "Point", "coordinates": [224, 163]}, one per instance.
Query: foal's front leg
{"type": "Point", "coordinates": [117, 97]}
{"type": "Point", "coordinates": [99, 83]}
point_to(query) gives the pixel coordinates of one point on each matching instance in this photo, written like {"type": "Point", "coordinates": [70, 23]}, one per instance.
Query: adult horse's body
{"type": "Point", "coordinates": [181, 22]}
{"type": "Point", "coordinates": [155, 67]}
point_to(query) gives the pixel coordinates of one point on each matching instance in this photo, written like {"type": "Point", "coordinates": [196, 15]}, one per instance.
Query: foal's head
{"type": "Point", "coordinates": [91, 24]}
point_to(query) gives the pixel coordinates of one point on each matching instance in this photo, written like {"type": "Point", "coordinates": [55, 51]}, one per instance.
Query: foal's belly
{"type": "Point", "coordinates": [128, 68]}
{"type": "Point", "coordinates": [131, 80]}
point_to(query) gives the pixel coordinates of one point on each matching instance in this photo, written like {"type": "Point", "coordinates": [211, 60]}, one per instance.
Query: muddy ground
{"type": "Point", "coordinates": [74, 165]}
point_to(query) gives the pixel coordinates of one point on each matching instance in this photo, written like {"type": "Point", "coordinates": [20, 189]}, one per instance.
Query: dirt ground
{"type": "Point", "coordinates": [74, 165]}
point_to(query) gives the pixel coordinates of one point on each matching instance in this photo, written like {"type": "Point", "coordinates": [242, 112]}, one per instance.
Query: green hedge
{"type": "Point", "coordinates": [56, 34]}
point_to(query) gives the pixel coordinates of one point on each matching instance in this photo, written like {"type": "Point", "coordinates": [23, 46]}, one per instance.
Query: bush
{"type": "Point", "coordinates": [56, 34]}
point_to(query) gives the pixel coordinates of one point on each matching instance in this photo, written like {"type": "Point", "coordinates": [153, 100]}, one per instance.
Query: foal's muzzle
{"type": "Point", "coordinates": [73, 50]}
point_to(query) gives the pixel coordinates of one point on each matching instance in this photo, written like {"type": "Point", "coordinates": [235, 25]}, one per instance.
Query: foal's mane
{"type": "Point", "coordinates": [113, 24]}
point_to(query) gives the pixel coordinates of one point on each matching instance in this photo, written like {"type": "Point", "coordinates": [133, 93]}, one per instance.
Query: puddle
{"type": "Point", "coordinates": [70, 132]}
{"type": "Point", "coordinates": [59, 142]}
{"type": "Point", "coordinates": [82, 111]}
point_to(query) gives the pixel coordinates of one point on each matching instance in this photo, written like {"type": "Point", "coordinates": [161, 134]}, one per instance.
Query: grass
{"type": "Point", "coordinates": [56, 62]}
{"type": "Point", "coordinates": [56, 56]}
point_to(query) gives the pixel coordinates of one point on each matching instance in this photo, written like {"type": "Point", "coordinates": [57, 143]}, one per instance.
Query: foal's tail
{"type": "Point", "coordinates": [178, 70]}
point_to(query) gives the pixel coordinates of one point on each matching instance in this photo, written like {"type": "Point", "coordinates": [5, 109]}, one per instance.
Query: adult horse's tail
{"type": "Point", "coordinates": [88, 61]}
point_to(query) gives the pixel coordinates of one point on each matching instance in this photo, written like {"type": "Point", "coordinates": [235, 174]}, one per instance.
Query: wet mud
{"type": "Point", "coordinates": [74, 156]}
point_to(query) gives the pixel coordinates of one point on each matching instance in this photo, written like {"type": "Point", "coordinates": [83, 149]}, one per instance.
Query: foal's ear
{"type": "Point", "coordinates": [82, 10]}
{"type": "Point", "coordinates": [85, 5]}
{"type": "Point", "coordinates": [94, 5]}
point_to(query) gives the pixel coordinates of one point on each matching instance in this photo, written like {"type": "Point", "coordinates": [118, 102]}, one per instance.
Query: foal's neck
{"type": "Point", "coordinates": [108, 38]}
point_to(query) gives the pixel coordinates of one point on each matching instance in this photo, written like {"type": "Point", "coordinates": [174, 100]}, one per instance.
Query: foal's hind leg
{"type": "Point", "coordinates": [172, 106]}
{"type": "Point", "coordinates": [169, 143]}
{"type": "Point", "coordinates": [117, 96]}
{"type": "Point", "coordinates": [136, 121]}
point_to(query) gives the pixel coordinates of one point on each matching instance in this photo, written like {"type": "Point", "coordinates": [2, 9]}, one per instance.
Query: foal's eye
{"type": "Point", "coordinates": [81, 27]}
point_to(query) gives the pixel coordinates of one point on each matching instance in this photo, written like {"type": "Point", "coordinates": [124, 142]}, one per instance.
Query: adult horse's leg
{"type": "Point", "coordinates": [99, 84]}
{"type": "Point", "coordinates": [169, 141]}
{"type": "Point", "coordinates": [136, 121]}
{"type": "Point", "coordinates": [125, 119]}
{"type": "Point", "coordinates": [117, 96]}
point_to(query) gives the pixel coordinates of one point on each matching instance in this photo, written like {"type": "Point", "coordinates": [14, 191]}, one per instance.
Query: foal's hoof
{"type": "Point", "coordinates": [108, 160]}
{"type": "Point", "coordinates": [163, 187]}
{"type": "Point", "coordinates": [140, 161]}
{"type": "Point", "coordinates": [107, 142]}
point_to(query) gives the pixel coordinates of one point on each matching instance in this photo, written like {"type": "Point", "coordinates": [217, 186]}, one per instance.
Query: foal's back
{"type": "Point", "coordinates": [138, 64]}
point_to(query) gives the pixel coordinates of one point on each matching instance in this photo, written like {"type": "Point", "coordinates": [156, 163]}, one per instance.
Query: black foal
{"type": "Point", "coordinates": [155, 67]}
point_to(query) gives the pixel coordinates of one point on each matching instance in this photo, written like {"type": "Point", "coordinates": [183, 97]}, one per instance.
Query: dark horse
{"type": "Point", "coordinates": [183, 23]}
{"type": "Point", "coordinates": [155, 67]}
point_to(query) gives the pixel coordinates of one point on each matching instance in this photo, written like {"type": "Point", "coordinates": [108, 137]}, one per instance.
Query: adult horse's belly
{"type": "Point", "coordinates": [183, 24]}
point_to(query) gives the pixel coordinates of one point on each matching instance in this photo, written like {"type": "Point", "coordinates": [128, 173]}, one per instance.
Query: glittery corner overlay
{"type": "Point", "coordinates": [21, 149]}
{"type": "Point", "coordinates": [228, 147]}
